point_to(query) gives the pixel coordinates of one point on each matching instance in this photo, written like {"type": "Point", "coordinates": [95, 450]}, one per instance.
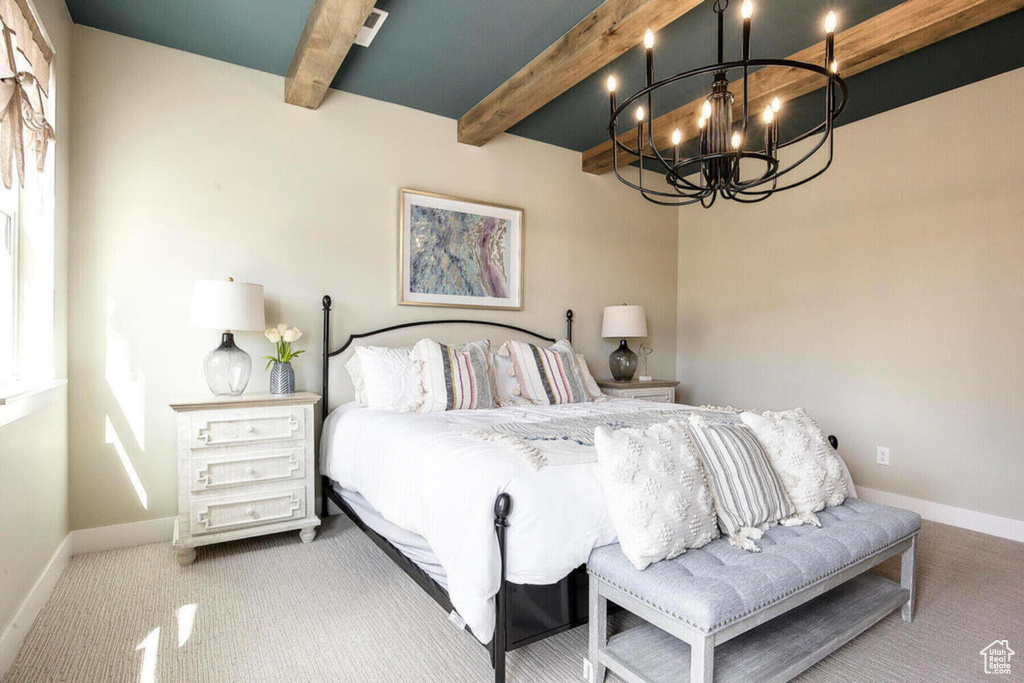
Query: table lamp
{"type": "Point", "coordinates": [232, 307]}
{"type": "Point", "coordinates": [623, 322]}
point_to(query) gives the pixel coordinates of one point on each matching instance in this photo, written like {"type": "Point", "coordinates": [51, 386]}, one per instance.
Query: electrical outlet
{"type": "Point", "coordinates": [882, 455]}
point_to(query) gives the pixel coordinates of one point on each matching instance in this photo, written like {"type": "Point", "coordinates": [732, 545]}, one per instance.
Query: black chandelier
{"type": "Point", "coordinates": [724, 145]}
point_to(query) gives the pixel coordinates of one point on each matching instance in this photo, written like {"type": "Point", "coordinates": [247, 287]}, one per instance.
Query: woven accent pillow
{"type": "Point", "coordinates": [747, 492]}
{"type": "Point", "coordinates": [657, 497]}
{"type": "Point", "coordinates": [809, 469]}
{"type": "Point", "coordinates": [546, 376]}
{"type": "Point", "coordinates": [454, 379]}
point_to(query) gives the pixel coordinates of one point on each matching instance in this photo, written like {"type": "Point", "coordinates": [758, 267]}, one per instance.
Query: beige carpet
{"type": "Point", "coordinates": [272, 609]}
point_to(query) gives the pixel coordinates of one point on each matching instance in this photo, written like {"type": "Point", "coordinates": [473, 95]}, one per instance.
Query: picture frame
{"type": "Point", "coordinates": [459, 253]}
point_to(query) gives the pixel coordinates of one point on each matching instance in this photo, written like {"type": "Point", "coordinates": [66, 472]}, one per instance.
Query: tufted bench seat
{"type": "Point", "coordinates": [712, 594]}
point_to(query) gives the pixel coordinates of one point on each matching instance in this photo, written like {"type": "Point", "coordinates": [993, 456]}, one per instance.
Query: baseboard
{"type": "Point", "coordinates": [122, 535]}
{"type": "Point", "coordinates": [15, 632]}
{"type": "Point", "coordinates": [986, 523]}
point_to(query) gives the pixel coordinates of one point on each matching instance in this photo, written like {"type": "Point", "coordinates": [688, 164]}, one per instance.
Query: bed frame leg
{"type": "Point", "coordinates": [598, 631]}
{"type": "Point", "coordinates": [325, 486]}
{"type": "Point", "coordinates": [907, 579]}
{"type": "Point", "coordinates": [502, 509]}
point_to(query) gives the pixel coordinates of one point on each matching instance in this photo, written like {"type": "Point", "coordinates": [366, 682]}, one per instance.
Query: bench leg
{"type": "Point", "coordinates": [702, 660]}
{"type": "Point", "coordinates": [598, 630]}
{"type": "Point", "coordinates": [907, 579]}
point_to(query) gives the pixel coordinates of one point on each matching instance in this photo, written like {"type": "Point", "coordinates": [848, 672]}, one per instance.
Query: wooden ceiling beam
{"type": "Point", "coordinates": [901, 30]}
{"type": "Point", "coordinates": [330, 30]}
{"type": "Point", "coordinates": [606, 33]}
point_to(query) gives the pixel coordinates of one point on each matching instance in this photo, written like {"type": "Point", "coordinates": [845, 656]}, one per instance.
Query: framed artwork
{"type": "Point", "coordinates": [457, 252]}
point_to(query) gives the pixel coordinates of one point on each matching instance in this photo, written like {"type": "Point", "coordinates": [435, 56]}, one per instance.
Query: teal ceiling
{"type": "Point", "coordinates": [443, 56]}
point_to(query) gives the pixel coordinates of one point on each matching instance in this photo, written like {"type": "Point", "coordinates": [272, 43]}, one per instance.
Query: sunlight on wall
{"type": "Point", "coordinates": [114, 440]}
{"type": "Point", "coordinates": [127, 383]}
{"type": "Point", "coordinates": [149, 650]}
{"type": "Point", "coordinates": [186, 618]}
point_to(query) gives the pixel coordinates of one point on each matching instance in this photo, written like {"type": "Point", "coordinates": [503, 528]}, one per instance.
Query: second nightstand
{"type": "Point", "coordinates": [657, 390]}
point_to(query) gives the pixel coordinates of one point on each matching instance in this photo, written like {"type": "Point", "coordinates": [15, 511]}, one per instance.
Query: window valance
{"type": "Point", "coordinates": [25, 60]}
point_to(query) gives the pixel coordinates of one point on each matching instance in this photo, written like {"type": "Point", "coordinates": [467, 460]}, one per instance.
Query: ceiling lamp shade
{"type": "Point", "coordinates": [227, 305]}
{"type": "Point", "coordinates": [24, 89]}
{"type": "Point", "coordinates": [624, 322]}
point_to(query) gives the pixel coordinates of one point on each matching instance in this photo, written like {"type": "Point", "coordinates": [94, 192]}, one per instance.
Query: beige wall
{"type": "Point", "coordinates": [887, 296]}
{"type": "Point", "coordinates": [34, 449]}
{"type": "Point", "coordinates": [188, 168]}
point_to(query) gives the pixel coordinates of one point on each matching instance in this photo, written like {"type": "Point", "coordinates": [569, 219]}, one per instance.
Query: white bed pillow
{"type": "Point", "coordinates": [385, 378]}
{"type": "Point", "coordinates": [506, 386]}
{"type": "Point", "coordinates": [588, 379]}
{"type": "Point", "coordinates": [657, 496]}
{"type": "Point", "coordinates": [454, 378]}
{"type": "Point", "coordinates": [809, 469]}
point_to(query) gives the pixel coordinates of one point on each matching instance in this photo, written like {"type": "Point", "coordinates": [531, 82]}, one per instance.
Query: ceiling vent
{"type": "Point", "coordinates": [369, 30]}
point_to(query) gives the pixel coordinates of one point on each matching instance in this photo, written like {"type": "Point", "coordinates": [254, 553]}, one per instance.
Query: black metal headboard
{"type": "Point", "coordinates": [328, 354]}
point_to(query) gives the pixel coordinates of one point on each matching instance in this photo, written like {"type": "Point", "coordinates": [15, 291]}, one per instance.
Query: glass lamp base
{"type": "Point", "coordinates": [622, 363]}
{"type": "Point", "coordinates": [227, 368]}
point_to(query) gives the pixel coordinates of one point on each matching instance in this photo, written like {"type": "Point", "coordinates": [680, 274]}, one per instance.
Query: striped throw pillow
{"type": "Point", "coordinates": [547, 376]}
{"type": "Point", "coordinates": [747, 492]}
{"type": "Point", "coordinates": [454, 379]}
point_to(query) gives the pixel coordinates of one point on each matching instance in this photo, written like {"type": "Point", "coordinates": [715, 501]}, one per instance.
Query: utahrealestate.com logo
{"type": "Point", "coordinates": [997, 657]}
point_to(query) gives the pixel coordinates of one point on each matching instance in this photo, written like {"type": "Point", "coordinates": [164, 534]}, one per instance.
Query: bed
{"type": "Point", "coordinates": [500, 544]}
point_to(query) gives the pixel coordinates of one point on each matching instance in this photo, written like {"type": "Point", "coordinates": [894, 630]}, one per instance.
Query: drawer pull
{"type": "Point", "coordinates": [250, 512]}
{"type": "Point", "coordinates": [250, 429]}
{"type": "Point", "coordinates": [248, 470]}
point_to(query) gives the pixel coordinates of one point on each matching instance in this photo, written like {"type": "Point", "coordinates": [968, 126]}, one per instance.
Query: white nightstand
{"type": "Point", "coordinates": [657, 390]}
{"type": "Point", "coordinates": [246, 467]}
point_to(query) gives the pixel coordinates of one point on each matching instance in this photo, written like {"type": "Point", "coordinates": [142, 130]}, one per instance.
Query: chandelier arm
{"type": "Point", "coordinates": [799, 182]}
{"type": "Point", "coordinates": [791, 167]}
{"type": "Point", "coordinates": [644, 190]}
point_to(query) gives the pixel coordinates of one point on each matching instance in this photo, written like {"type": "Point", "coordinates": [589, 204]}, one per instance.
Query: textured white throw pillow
{"type": "Point", "coordinates": [809, 469]}
{"type": "Point", "coordinates": [657, 497]}
{"type": "Point", "coordinates": [385, 378]}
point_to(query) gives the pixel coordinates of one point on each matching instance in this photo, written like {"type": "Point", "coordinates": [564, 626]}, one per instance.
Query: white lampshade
{"type": "Point", "coordinates": [624, 321]}
{"type": "Point", "coordinates": [227, 305]}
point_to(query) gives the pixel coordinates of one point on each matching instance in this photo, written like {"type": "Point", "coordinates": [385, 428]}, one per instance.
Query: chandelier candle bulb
{"type": "Point", "coordinates": [776, 104]}
{"type": "Point", "coordinates": [737, 140]}
{"type": "Point", "coordinates": [830, 37]}
{"type": "Point", "coordinates": [747, 11]}
{"type": "Point", "coordinates": [677, 137]}
{"type": "Point", "coordinates": [649, 49]}
{"type": "Point", "coordinates": [611, 92]}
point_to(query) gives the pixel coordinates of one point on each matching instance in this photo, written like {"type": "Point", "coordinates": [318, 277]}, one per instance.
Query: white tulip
{"type": "Point", "coordinates": [273, 335]}
{"type": "Point", "coordinates": [281, 329]}
{"type": "Point", "coordinates": [292, 334]}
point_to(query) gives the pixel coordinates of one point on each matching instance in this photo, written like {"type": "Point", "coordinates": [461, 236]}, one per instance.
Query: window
{"type": "Point", "coordinates": [8, 292]}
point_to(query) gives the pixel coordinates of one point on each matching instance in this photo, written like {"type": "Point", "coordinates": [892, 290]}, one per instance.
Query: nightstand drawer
{"type": "Point", "coordinates": [251, 467]}
{"type": "Point", "coordinates": [223, 513]}
{"type": "Point", "coordinates": [659, 395]}
{"type": "Point", "coordinates": [229, 427]}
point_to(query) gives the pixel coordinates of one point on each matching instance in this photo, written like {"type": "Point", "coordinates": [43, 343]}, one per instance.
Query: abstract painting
{"type": "Point", "coordinates": [456, 252]}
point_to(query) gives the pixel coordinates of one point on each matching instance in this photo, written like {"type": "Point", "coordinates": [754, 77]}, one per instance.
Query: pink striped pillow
{"type": "Point", "coordinates": [454, 379]}
{"type": "Point", "coordinates": [547, 376]}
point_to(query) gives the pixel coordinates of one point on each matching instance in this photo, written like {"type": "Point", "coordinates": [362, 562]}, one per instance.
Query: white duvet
{"type": "Point", "coordinates": [422, 473]}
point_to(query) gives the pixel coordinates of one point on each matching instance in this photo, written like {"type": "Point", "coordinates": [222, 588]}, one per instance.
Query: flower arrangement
{"type": "Point", "coordinates": [283, 336]}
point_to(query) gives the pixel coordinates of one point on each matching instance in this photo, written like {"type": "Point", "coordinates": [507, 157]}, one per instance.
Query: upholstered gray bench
{"type": "Point", "coordinates": [740, 616]}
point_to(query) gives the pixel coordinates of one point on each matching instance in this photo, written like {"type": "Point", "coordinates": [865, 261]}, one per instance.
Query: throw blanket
{"type": "Point", "coordinates": [569, 440]}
